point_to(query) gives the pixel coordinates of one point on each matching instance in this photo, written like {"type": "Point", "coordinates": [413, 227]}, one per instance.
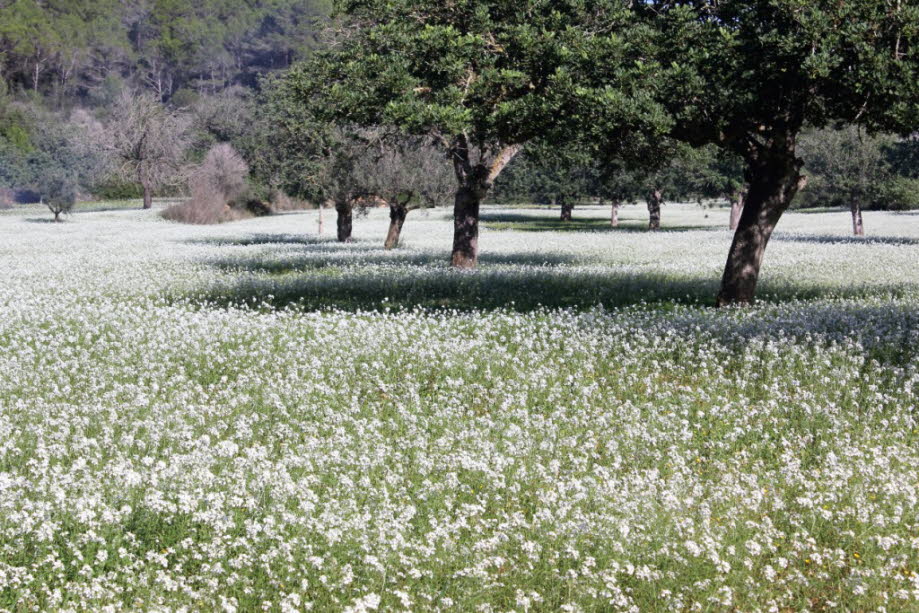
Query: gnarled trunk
{"type": "Point", "coordinates": [614, 215]}
{"type": "Point", "coordinates": [344, 221]}
{"type": "Point", "coordinates": [473, 183]}
{"type": "Point", "coordinates": [567, 207]}
{"type": "Point", "coordinates": [655, 199]}
{"type": "Point", "coordinates": [397, 213]}
{"type": "Point", "coordinates": [737, 201]}
{"type": "Point", "coordinates": [148, 197]}
{"type": "Point", "coordinates": [773, 183]}
{"type": "Point", "coordinates": [858, 226]}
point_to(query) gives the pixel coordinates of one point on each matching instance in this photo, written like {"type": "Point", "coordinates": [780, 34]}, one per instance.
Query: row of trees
{"type": "Point", "coordinates": [846, 167]}
{"type": "Point", "coordinates": [630, 84]}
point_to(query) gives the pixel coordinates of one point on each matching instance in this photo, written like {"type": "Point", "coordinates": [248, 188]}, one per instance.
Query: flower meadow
{"type": "Point", "coordinates": [253, 417]}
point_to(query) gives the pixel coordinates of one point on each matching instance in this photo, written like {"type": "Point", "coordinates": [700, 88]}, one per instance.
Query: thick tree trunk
{"type": "Point", "coordinates": [148, 197]}
{"type": "Point", "coordinates": [858, 226]}
{"type": "Point", "coordinates": [737, 200]}
{"type": "Point", "coordinates": [567, 207]}
{"type": "Point", "coordinates": [655, 198]}
{"type": "Point", "coordinates": [466, 228]}
{"type": "Point", "coordinates": [774, 181]}
{"type": "Point", "coordinates": [473, 183]}
{"type": "Point", "coordinates": [614, 215]}
{"type": "Point", "coordinates": [344, 221]}
{"type": "Point", "coordinates": [397, 213]}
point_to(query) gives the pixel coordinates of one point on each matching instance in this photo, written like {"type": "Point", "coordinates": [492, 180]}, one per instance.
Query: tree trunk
{"type": "Point", "coordinates": [57, 216]}
{"type": "Point", "coordinates": [473, 183]}
{"type": "Point", "coordinates": [737, 201]}
{"type": "Point", "coordinates": [148, 197]}
{"type": "Point", "coordinates": [466, 228]}
{"type": "Point", "coordinates": [567, 207]}
{"type": "Point", "coordinates": [344, 221]}
{"type": "Point", "coordinates": [858, 226]}
{"type": "Point", "coordinates": [655, 198]}
{"type": "Point", "coordinates": [614, 215]}
{"type": "Point", "coordinates": [397, 213]}
{"type": "Point", "coordinates": [321, 206]}
{"type": "Point", "coordinates": [773, 183]}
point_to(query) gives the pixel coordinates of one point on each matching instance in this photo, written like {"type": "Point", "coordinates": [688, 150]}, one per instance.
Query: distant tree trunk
{"type": "Point", "coordinates": [737, 201]}
{"type": "Point", "coordinates": [345, 210]}
{"type": "Point", "coordinates": [57, 216]}
{"type": "Point", "coordinates": [148, 197]}
{"type": "Point", "coordinates": [655, 198]}
{"type": "Point", "coordinates": [473, 183]}
{"type": "Point", "coordinates": [321, 206]}
{"type": "Point", "coordinates": [567, 207]}
{"type": "Point", "coordinates": [773, 183]}
{"type": "Point", "coordinates": [858, 226]}
{"type": "Point", "coordinates": [614, 215]}
{"type": "Point", "coordinates": [397, 213]}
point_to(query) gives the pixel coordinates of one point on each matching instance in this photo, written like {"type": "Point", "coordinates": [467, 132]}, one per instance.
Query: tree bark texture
{"type": "Point", "coordinates": [466, 227]}
{"type": "Point", "coordinates": [773, 182]}
{"type": "Point", "coordinates": [858, 226]}
{"type": "Point", "coordinates": [567, 207]}
{"type": "Point", "coordinates": [473, 182]}
{"type": "Point", "coordinates": [344, 221]}
{"type": "Point", "coordinates": [397, 213]}
{"type": "Point", "coordinates": [655, 199]}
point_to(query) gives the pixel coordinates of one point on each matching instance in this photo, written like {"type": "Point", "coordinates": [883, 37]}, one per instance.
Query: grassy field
{"type": "Point", "coordinates": [251, 416]}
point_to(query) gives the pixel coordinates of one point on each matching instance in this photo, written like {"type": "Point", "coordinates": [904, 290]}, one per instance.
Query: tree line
{"type": "Point", "coordinates": [630, 84]}
{"type": "Point", "coordinates": [407, 101]}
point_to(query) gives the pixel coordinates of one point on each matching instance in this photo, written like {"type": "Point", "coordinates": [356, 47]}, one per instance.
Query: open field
{"type": "Point", "coordinates": [251, 416]}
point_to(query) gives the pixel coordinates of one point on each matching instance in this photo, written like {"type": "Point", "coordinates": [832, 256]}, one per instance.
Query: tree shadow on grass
{"type": "Point", "coordinates": [367, 278]}
{"type": "Point", "coordinates": [44, 220]}
{"type": "Point", "coordinates": [312, 255]}
{"type": "Point", "coordinates": [517, 288]}
{"type": "Point", "coordinates": [264, 239]}
{"type": "Point", "coordinates": [846, 240]}
{"type": "Point", "coordinates": [536, 223]}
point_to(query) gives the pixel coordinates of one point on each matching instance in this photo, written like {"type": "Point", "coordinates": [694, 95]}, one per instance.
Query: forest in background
{"type": "Point", "coordinates": [65, 65]}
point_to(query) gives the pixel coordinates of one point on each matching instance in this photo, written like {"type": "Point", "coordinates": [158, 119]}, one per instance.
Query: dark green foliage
{"type": "Point", "coordinates": [903, 155]}
{"type": "Point", "coordinates": [747, 75]}
{"type": "Point", "coordinates": [844, 166]}
{"type": "Point", "coordinates": [547, 174]}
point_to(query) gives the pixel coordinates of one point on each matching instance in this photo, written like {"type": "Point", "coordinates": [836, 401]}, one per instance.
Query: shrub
{"type": "Point", "coordinates": [899, 194]}
{"type": "Point", "coordinates": [60, 194]}
{"type": "Point", "coordinates": [220, 191]}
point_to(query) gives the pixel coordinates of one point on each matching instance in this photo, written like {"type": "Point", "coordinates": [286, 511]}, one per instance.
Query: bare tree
{"type": "Point", "coordinates": [148, 142]}
{"type": "Point", "coordinates": [408, 173]}
{"type": "Point", "coordinates": [220, 190]}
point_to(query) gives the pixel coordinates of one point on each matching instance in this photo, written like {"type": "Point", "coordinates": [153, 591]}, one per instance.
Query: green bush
{"type": "Point", "coordinates": [898, 194]}
{"type": "Point", "coordinates": [116, 189]}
